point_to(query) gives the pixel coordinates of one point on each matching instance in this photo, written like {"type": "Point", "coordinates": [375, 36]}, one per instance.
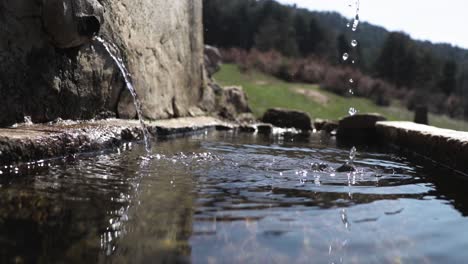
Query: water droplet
{"type": "Point", "coordinates": [28, 120]}
{"type": "Point", "coordinates": [344, 218]}
{"type": "Point", "coordinates": [351, 80]}
{"type": "Point", "coordinates": [348, 25]}
{"type": "Point", "coordinates": [352, 154]}
{"type": "Point", "coordinates": [345, 56]}
{"type": "Point", "coordinates": [355, 23]}
{"type": "Point", "coordinates": [352, 111]}
{"type": "Point", "coordinates": [354, 43]}
{"type": "Point", "coordinates": [351, 91]}
{"type": "Point", "coordinates": [317, 181]}
{"type": "Point", "coordinates": [353, 62]}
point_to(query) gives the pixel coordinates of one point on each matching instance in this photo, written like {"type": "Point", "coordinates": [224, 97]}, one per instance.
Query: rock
{"type": "Point", "coordinates": [330, 127]}
{"type": "Point", "coordinates": [288, 119]}
{"type": "Point", "coordinates": [325, 125]}
{"type": "Point", "coordinates": [208, 99]}
{"type": "Point", "coordinates": [359, 128]}
{"type": "Point", "coordinates": [126, 107]}
{"type": "Point", "coordinates": [346, 168]}
{"type": "Point", "coordinates": [233, 102]}
{"type": "Point", "coordinates": [106, 114]}
{"type": "Point", "coordinates": [217, 89]}
{"type": "Point", "coordinates": [319, 123]}
{"type": "Point", "coordinates": [235, 96]}
{"type": "Point", "coordinates": [50, 69]}
{"type": "Point", "coordinates": [420, 115]}
{"type": "Point", "coordinates": [212, 60]}
{"type": "Point", "coordinates": [247, 129]}
{"type": "Point", "coordinates": [319, 166]}
{"type": "Point", "coordinates": [248, 118]}
{"type": "Point", "coordinates": [265, 129]}
{"type": "Point", "coordinates": [72, 23]}
{"type": "Point", "coordinates": [223, 127]}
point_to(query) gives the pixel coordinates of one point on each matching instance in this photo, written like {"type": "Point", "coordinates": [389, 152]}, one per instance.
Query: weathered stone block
{"type": "Point", "coordinates": [446, 146]}
{"type": "Point", "coordinates": [286, 118]}
{"type": "Point", "coordinates": [359, 128]}
{"type": "Point", "coordinates": [233, 102]}
{"type": "Point", "coordinates": [325, 125]}
{"type": "Point", "coordinates": [212, 60]}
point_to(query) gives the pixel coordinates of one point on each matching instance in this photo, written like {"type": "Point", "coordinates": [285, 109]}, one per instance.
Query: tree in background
{"type": "Point", "coordinates": [427, 72]}
{"type": "Point", "coordinates": [302, 30]}
{"type": "Point", "coordinates": [448, 83]}
{"type": "Point", "coordinates": [276, 29]}
{"type": "Point", "coordinates": [343, 46]}
{"type": "Point", "coordinates": [309, 35]}
{"type": "Point", "coordinates": [397, 62]}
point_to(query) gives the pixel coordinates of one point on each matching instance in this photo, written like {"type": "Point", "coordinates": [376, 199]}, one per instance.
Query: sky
{"type": "Point", "coordinates": [434, 20]}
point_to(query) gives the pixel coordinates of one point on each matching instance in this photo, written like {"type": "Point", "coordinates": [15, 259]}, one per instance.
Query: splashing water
{"type": "Point", "coordinates": [352, 111]}
{"type": "Point", "coordinates": [344, 218]}
{"type": "Point", "coordinates": [356, 17]}
{"type": "Point", "coordinates": [28, 120]}
{"type": "Point", "coordinates": [352, 154]}
{"type": "Point", "coordinates": [126, 75]}
{"type": "Point", "coordinates": [355, 23]}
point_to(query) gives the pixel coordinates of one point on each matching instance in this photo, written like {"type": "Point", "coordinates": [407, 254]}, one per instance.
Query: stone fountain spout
{"type": "Point", "coordinates": [72, 23]}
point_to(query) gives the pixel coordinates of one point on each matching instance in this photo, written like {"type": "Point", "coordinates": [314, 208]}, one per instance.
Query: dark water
{"type": "Point", "coordinates": [233, 199]}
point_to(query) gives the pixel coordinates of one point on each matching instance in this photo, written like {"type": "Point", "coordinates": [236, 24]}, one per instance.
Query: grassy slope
{"type": "Point", "coordinates": [265, 92]}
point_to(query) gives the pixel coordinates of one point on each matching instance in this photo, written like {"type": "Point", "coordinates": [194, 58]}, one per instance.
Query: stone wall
{"type": "Point", "coordinates": [50, 66]}
{"type": "Point", "coordinates": [448, 147]}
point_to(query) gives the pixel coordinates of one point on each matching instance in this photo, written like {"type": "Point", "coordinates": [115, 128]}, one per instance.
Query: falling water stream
{"type": "Point", "coordinates": [128, 83]}
{"type": "Point", "coordinates": [355, 5]}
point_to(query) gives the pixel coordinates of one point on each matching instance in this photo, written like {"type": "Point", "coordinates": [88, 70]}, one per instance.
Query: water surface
{"type": "Point", "coordinates": [227, 198]}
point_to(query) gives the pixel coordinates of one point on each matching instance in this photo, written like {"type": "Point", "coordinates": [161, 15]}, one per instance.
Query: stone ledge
{"type": "Point", "coordinates": [26, 143]}
{"type": "Point", "coordinates": [446, 146]}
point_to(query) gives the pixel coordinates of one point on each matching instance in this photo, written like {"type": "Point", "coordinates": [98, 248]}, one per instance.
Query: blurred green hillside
{"type": "Point", "coordinates": [266, 91]}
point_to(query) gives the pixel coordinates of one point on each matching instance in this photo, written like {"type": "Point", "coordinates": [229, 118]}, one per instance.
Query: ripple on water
{"type": "Point", "coordinates": [243, 198]}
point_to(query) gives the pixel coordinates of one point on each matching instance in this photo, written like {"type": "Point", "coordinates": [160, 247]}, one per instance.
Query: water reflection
{"type": "Point", "coordinates": [226, 198]}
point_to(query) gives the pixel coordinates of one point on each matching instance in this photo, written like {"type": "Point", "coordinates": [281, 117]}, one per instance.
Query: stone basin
{"type": "Point", "coordinates": [25, 143]}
